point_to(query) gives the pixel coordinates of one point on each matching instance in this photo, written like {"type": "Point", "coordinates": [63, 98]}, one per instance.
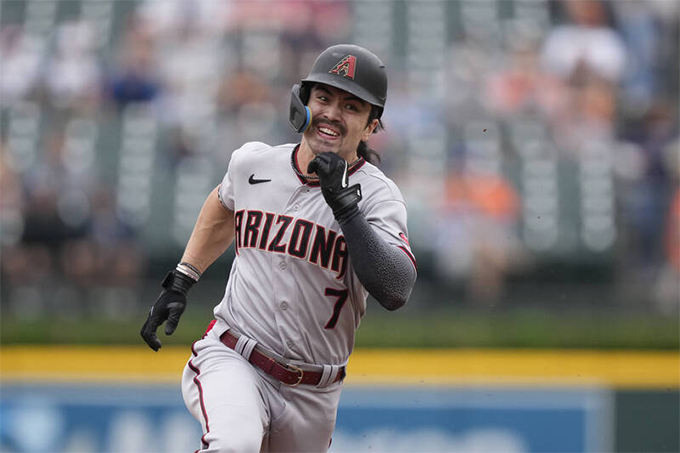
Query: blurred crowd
{"type": "Point", "coordinates": [593, 87]}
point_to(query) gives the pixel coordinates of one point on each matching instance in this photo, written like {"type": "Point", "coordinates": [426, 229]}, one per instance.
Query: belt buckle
{"type": "Point", "coordinates": [294, 368]}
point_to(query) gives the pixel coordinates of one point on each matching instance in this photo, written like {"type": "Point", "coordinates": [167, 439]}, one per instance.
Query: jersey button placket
{"type": "Point", "coordinates": [283, 305]}
{"type": "Point", "coordinates": [282, 265]}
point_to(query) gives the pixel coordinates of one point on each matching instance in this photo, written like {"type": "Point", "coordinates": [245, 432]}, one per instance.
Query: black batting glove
{"type": "Point", "coordinates": [341, 197]}
{"type": "Point", "coordinates": [168, 307]}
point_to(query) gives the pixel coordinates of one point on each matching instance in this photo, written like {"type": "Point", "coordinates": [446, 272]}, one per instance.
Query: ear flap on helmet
{"type": "Point", "coordinates": [299, 115]}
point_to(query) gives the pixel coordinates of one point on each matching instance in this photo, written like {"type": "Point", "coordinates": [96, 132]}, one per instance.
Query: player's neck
{"type": "Point", "coordinates": [304, 156]}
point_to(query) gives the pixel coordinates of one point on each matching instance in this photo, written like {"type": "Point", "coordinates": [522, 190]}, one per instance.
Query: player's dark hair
{"type": "Point", "coordinates": [363, 150]}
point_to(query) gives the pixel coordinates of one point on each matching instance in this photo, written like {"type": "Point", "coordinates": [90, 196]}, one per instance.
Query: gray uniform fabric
{"type": "Point", "coordinates": [292, 286]}
{"type": "Point", "coordinates": [292, 289]}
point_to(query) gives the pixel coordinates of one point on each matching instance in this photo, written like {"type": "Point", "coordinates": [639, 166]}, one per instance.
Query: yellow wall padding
{"type": "Point", "coordinates": [617, 369]}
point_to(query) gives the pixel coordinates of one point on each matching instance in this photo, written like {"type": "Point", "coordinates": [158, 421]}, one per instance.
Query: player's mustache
{"type": "Point", "coordinates": [334, 124]}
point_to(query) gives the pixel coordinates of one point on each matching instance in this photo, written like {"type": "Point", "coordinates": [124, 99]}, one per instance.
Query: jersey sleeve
{"type": "Point", "coordinates": [238, 163]}
{"type": "Point", "coordinates": [226, 191]}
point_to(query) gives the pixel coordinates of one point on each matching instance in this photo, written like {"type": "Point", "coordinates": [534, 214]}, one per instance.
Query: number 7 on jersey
{"type": "Point", "coordinates": [341, 295]}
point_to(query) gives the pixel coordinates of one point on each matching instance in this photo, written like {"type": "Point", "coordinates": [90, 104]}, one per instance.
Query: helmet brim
{"type": "Point", "coordinates": [346, 85]}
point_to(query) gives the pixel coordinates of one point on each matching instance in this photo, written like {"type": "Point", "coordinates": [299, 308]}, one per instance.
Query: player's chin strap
{"type": "Point", "coordinates": [299, 115]}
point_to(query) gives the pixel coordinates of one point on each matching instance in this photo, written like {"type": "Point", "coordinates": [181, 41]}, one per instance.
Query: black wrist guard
{"type": "Point", "coordinates": [344, 202]}
{"type": "Point", "coordinates": [178, 282]}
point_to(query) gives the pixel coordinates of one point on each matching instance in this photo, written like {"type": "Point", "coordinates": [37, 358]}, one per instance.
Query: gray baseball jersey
{"type": "Point", "coordinates": [291, 286]}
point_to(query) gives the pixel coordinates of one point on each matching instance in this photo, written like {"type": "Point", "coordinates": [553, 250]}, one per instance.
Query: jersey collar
{"type": "Point", "coordinates": [314, 181]}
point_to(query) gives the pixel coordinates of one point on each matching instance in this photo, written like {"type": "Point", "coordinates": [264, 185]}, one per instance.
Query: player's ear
{"type": "Point", "coordinates": [370, 127]}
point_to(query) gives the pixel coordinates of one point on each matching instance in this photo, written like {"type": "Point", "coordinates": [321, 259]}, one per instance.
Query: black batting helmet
{"type": "Point", "coordinates": [347, 67]}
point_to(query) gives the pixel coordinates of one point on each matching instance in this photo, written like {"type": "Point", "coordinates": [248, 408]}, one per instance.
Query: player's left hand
{"type": "Point", "coordinates": [169, 306]}
{"type": "Point", "coordinates": [332, 171]}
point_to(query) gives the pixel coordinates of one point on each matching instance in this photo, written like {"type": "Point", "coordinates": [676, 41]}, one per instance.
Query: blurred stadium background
{"type": "Point", "coordinates": [536, 143]}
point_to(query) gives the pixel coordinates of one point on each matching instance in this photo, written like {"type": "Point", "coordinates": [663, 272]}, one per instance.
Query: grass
{"type": "Point", "coordinates": [522, 329]}
{"type": "Point", "coordinates": [442, 329]}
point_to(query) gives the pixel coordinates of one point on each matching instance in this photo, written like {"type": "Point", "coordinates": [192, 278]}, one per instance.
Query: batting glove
{"type": "Point", "coordinates": [334, 180]}
{"type": "Point", "coordinates": [168, 307]}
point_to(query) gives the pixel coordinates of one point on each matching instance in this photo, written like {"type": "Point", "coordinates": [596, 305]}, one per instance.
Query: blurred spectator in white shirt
{"type": "Point", "coordinates": [586, 42]}
{"type": "Point", "coordinates": [192, 64]}
{"type": "Point", "coordinates": [20, 56]}
{"type": "Point", "coordinates": [588, 57]}
{"type": "Point", "coordinates": [163, 17]}
{"type": "Point", "coordinates": [73, 76]}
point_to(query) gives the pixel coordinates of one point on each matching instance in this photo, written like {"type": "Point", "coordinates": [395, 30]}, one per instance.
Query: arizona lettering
{"type": "Point", "coordinates": [300, 238]}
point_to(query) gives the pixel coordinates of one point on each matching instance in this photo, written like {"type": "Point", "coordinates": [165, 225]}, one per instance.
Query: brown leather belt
{"type": "Point", "coordinates": [286, 373]}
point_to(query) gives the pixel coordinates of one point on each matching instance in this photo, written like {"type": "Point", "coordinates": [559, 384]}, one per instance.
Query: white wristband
{"type": "Point", "coordinates": [189, 270]}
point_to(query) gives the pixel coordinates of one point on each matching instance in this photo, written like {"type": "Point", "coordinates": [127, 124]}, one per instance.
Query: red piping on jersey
{"type": "Point", "coordinates": [356, 165]}
{"type": "Point", "coordinates": [410, 256]}
{"type": "Point", "coordinates": [315, 182]}
{"type": "Point", "coordinates": [200, 395]}
{"type": "Point", "coordinates": [210, 326]}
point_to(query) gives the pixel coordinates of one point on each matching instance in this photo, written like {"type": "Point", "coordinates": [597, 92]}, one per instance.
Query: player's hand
{"type": "Point", "coordinates": [168, 307]}
{"type": "Point", "coordinates": [332, 171]}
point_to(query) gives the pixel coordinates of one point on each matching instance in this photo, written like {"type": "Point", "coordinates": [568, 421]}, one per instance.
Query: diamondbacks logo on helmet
{"type": "Point", "coordinates": [345, 67]}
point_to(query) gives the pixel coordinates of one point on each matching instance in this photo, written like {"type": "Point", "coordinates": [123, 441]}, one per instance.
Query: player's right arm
{"type": "Point", "coordinates": [212, 235]}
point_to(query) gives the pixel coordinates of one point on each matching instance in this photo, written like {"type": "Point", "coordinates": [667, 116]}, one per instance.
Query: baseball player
{"type": "Point", "coordinates": [316, 227]}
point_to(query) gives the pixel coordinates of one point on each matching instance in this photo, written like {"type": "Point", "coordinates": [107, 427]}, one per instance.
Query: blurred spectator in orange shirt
{"type": "Point", "coordinates": [521, 85]}
{"type": "Point", "coordinates": [477, 233]}
{"type": "Point", "coordinates": [673, 233]}
{"type": "Point", "coordinates": [667, 291]}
